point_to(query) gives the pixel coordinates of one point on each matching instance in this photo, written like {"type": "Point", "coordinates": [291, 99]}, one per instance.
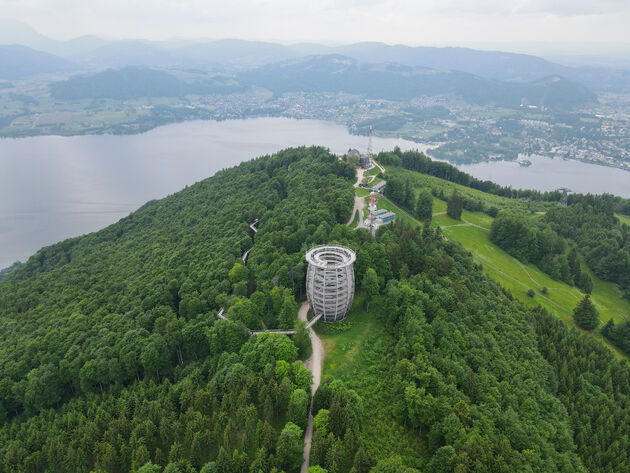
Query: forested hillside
{"type": "Point", "coordinates": [112, 354]}
{"type": "Point", "coordinates": [475, 380]}
{"type": "Point", "coordinates": [135, 82]}
{"type": "Point", "coordinates": [113, 358]}
{"type": "Point", "coordinates": [546, 253]}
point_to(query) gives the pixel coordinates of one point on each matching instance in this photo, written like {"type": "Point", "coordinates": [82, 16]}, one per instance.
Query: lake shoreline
{"type": "Point", "coordinates": [56, 187]}
{"type": "Point", "coordinates": [427, 145]}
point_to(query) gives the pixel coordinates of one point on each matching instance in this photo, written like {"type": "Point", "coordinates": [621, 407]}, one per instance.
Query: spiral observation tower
{"type": "Point", "coordinates": [330, 281]}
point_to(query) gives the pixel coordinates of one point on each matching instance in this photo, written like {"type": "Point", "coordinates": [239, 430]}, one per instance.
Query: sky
{"type": "Point", "coordinates": [578, 26]}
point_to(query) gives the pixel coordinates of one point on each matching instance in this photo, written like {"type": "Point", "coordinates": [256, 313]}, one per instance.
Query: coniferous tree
{"type": "Point", "coordinates": [370, 286]}
{"type": "Point", "coordinates": [289, 448]}
{"type": "Point", "coordinates": [585, 314]}
{"type": "Point", "coordinates": [424, 205]}
{"type": "Point", "coordinates": [609, 328]}
{"type": "Point", "coordinates": [574, 264]}
{"type": "Point", "coordinates": [455, 206]}
{"type": "Point", "coordinates": [584, 282]}
{"type": "Point", "coordinates": [408, 198]}
{"type": "Point", "coordinates": [302, 340]}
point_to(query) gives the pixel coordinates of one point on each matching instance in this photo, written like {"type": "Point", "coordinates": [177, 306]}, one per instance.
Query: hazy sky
{"type": "Point", "coordinates": [395, 21]}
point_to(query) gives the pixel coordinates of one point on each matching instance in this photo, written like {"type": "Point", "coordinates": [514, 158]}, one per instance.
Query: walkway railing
{"type": "Point", "coordinates": [313, 320]}
{"type": "Point", "coordinates": [221, 314]}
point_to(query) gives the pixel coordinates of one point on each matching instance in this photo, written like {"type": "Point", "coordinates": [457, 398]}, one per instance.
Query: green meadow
{"type": "Point", "coordinates": [624, 219]}
{"type": "Point", "coordinates": [473, 234]}
{"type": "Point", "coordinates": [356, 353]}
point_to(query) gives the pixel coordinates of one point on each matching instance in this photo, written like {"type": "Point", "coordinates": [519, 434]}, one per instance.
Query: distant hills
{"type": "Point", "coordinates": [233, 54]}
{"type": "Point", "coordinates": [330, 73]}
{"type": "Point", "coordinates": [498, 65]}
{"type": "Point", "coordinates": [126, 53]}
{"type": "Point", "coordinates": [335, 73]}
{"type": "Point", "coordinates": [135, 82]}
{"type": "Point", "coordinates": [17, 62]}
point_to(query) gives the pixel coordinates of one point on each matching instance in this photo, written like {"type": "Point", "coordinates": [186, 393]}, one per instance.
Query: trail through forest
{"type": "Point", "coordinates": [314, 364]}
{"type": "Point", "coordinates": [316, 361]}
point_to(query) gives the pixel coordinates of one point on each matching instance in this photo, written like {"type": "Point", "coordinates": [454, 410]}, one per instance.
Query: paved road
{"type": "Point", "coordinates": [246, 254]}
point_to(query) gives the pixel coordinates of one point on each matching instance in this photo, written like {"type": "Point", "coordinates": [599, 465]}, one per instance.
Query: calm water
{"type": "Point", "coordinates": [546, 174]}
{"type": "Point", "coordinates": [52, 187]}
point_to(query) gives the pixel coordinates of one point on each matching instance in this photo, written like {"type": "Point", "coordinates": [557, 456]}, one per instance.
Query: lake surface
{"type": "Point", "coordinates": [546, 174]}
{"type": "Point", "coordinates": [53, 187]}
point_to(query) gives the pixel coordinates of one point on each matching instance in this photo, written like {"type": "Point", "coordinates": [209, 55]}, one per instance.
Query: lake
{"type": "Point", "coordinates": [546, 174]}
{"type": "Point", "coordinates": [53, 187]}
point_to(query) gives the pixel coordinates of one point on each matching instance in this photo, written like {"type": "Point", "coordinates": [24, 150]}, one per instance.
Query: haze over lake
{"type": "Point", "coordinates": [53, 187]}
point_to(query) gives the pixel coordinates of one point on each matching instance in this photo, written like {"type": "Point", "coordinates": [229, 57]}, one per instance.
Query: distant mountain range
{"type": "Point", "coordinates": [134, 82]}
{"type": "Point", "coordinates": [335, 73]}
{"type": "Point", "coordinates": [236, 56]}
{"type": "Point", "coordinates": [17, 62]}
{"type": "Point", "coordinates": [329, 73]}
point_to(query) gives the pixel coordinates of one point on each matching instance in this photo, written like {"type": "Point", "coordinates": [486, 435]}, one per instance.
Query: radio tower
{"type": "Point", "coordinates": [372, 209]}
{"type": "Point", "coordinates": [372, 206]}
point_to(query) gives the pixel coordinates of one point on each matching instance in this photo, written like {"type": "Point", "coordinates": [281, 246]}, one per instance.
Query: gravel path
{"type": "Point", "coordinates": [314, 364]}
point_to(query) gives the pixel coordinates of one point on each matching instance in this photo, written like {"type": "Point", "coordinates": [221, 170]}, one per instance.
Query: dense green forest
{"type": "Point", "coordinates": [112, 353]}
{"type": "Point", "coordinates": [482, 382]}
{"type": "Point", "coordinates": [113, 358]}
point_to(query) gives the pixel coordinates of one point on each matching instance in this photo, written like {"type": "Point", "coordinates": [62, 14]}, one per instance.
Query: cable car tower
{"type": "Point", "coordinates": [563, 200]}
{"type": "Point", "coordinates": [369, 148]}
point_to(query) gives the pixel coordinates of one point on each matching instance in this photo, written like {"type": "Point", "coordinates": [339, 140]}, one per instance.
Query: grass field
{"type": "Point", "coordinates": [624, 219]}
{"type": "Point", "coordinates": [439, 206]}
{"type": "Point", "coordinates": [373, 172]}
{"type": "Point", "coordinates": [341, 340]}
{"type": "Point", "coordinates": [446, 188]}
{"type": "Point", "coordinates": [355, 352]}
{"type": "Point", "coordinates": [473, 233]}
{"type": "Point", "coordinates": [560, 299]}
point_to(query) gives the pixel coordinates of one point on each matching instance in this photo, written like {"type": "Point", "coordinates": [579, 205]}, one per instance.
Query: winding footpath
{"type": "Point", "coordinates": [315, 365]}
{"type": "Point", "coordinates": [221, 314]}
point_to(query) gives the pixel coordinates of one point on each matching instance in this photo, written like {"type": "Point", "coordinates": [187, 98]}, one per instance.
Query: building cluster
{"type": "Point", "coordinates": [382, 217]}
{"type": "Point", "coordinates": [379, 187]}
{"type": "Point", "coordinates": [378, 217]}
